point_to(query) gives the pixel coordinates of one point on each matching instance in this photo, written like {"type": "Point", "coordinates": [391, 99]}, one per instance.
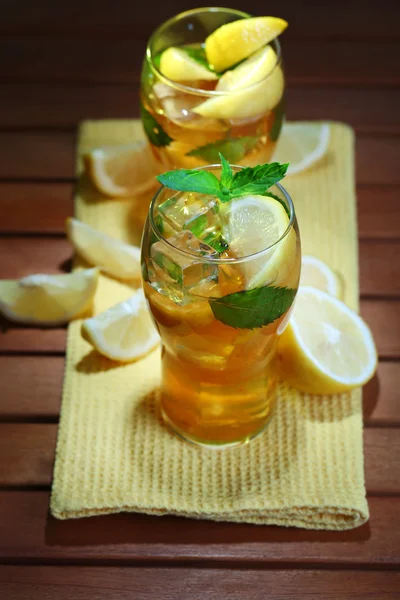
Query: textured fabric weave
{"type": "Point", "coordinates": [113, 454]}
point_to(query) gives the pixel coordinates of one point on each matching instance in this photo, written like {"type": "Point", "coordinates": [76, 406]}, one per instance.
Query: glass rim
{"type": "Point", "coordinates": [227, 260]}
{"type": "Point", "coordinates": [197, 91]}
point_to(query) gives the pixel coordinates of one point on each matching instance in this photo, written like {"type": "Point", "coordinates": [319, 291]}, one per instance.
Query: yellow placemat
{"type": "Point", "coordinates": [114, 455]}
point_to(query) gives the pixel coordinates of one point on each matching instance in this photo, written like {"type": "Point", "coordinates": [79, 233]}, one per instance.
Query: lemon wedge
{"type": "Point", "coordinates": [48, 300]}
{"type": "Point", "coordinates": [235, 41]}
{"type": "Point", "coordinates": [177, 65]}
{"type": "Point", "coordinates": [112, 256]}
{"type": "Point", "coordinates": [326, 347]}
{"type": "Point", "coordinates": [122, 171]}
{"type": "Point", "coordinates": [250, 225]}
{"type": "Point", "coordinates": [316, 273]}
{"type": "Point", "coordinates": [124, 332]}
{"type": "Point", "coordinates": [253, 88]}
{"type": "Point", "coordinates": [302, 145]}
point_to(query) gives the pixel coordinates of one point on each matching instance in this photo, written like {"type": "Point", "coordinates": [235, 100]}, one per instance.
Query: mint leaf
{"type": "Point", "coordinates": [253, 308]}
{"type": "Point", "coordinates": [279, 115]}
{"type": "Point", "coordinates": [234, 149]}
{"type": "Point", "coordinates": [154, 131]}
{"type": "Point", "coordinates": [226, 175]}
{"type": "Point", "coordinates": [188, 180]}
{"type": "Point", "coordinates": [257, 180]}
{"type": "Point", "coordinates": [198, 54]}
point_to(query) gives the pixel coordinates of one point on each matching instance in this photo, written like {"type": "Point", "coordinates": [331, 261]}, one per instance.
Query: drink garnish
{"type": "Point", "coordinates": [249, 180]}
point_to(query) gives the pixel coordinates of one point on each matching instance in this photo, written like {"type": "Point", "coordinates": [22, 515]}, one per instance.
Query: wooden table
{"type": "Point", "coordinates": [60, 63]}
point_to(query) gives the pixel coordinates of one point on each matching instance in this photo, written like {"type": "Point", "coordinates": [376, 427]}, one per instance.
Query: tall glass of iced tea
{"type": "Point", "coordinates": [220, 279]}
{"type": "Point", "coordinates": [192, 109]}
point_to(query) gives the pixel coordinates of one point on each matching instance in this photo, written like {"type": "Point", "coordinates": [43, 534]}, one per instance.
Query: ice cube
{"type": "Point", "coordinates": [174, 273]}
{"type": "Point", "coordinates": [195, 212]}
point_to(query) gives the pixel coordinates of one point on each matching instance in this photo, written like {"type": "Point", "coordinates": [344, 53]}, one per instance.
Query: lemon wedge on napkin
{"type": "Point", "coordinates": [112, 256]}
{"type": "Point", "coordinates": [48, 300]}
{"type": "Point", "coordinates": [326, 347]}
{"type": "Point", "coordinates": [124, 332]}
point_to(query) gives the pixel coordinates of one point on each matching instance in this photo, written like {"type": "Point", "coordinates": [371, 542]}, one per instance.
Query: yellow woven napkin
{"type": "Point", "coordinates": [113, 454]}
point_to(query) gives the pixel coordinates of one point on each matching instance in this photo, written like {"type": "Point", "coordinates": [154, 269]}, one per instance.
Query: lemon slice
{"type": "Point", "coordinates": [252, 89]}
{"type": "Point", "coordinates": [122, 171]}
{"type": "Point", "coordinates": [302, 145]}
{"type": "Point", "coordinates": [326, 347]}
{"type": "Point", "coordinates": [177, 65]}
{"type": "Point", "coordinates": [252, 224]}
{"type": "Point", "coordinates": [316, 273]}
{"type": "Point", "coordinates": [124, 332]}
{"type": "Point", "coordinates": [235, 41]}
{"type": "Point", "coordinates": [113, 257]}
{"type": "Point", "coordinates": [48, 300]}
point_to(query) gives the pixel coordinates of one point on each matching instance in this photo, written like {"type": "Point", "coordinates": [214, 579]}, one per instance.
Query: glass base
{"type": "Point", "coordinates": [213, 444]}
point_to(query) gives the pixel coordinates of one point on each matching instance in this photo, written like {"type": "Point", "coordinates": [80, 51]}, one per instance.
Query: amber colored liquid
{"type": "Point", "coordinates": [218, 384]}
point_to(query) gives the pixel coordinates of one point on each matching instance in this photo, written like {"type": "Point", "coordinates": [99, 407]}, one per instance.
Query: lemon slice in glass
{"type": "Point", "coordinates": [302, 145]}
{"type": "Point", "coordinates": [326, 347]}
{"type": "Point", "coordinates": [48, 300]}
{"type": "Point", "coordinates": [122, 171]}
{"type": "Point", "coordinates": [177, 65]}
{"type": "Point", "coordinates": [316, 273]}
{"type": "Point", "coordinates": [124, 332]}
{"type": "Point", "coordinates": [113, 257]}
{"type": "Point", "coordinates": [253, 88]}
{"type": "Point", "coordinates": [252, 224]}
{"type": "Point", "coordinates": [235, 41]}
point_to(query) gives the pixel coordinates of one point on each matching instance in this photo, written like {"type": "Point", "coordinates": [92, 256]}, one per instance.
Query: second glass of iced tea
{"type": "Point", "coordinates": [184, 131]}
{"type": "Point", "coordinates": [209, 299]}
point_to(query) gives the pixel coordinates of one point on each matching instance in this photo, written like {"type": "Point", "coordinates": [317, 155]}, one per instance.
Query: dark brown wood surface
{"type": "Point", "coordinates": [64, 62]}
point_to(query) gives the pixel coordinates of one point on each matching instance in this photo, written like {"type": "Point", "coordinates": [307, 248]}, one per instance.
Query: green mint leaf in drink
{"type": "Point", "coordinates": [198, 53]}
{"type": "Point", "coordinates": [233, 149]}
{"type": "Point", "coordinates": [257, 180]}
{"type": "Point", "coordinates": [191, 180]}
{"type": "Point", "coordinates": [279, 117]}
{"type": "Point", "coordinates": [154, 131]}
{"type": "Point", "coordinates": [226, 178]}
{"type": "Point", "coordinates": [253, 308]}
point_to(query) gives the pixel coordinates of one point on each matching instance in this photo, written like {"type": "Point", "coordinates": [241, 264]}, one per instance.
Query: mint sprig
{"type": "Point", "coordinates": [253, 308]}
{"type": "Point", "coordinates": [198, 54]}
{"type": "Point", "coordinates": [154, 131]}
{"type": "Point", "coordinates": [250, 180]}
{"type": "Point", "coordinates": [234, 149]}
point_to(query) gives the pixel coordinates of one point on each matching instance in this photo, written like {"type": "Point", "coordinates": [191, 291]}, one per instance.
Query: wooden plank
{"type": "Point", "coordinates": [30, 387]}
{"type": "Point", "coordinates": [51, 156]}
{"type": "Point", "coordinates": [384, 320]}
{"type": "Point", "coordinates": [132, 19]}
{"type": "Point", "coordinates": [119, 60]}
{"type": "Point", "coordinates": [63, 106]}
{"type": "Point", "coordinates": [27, 451]}
{"type": "Point", "coordinates": [35, 207]}
{"type": "Point", "coordinates": [29, 534]}
{"type": "Point", "coordinates": [125, 583]}
{"type": "Point", "coordinates": [378, 209]}
{"type": "Point", "coordinates": [37, 155]}
{"type": "Point", "coordinates": [378, 270]}
{"type": "Point", "coordinates": [32, 340]}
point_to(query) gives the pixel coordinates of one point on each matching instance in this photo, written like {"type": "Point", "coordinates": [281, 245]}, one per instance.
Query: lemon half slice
{"type": "Point", "coordinates": [250, 225]}
{"type": "Point", "coordinates": [302, 145]}
{"type": "Point", "coordinates": [316, 273]}
{"type": "Point", "coordinates": [123, 171]}
{"type": "Point", "coordinates": [177, 65]}
{"type": "Point", "coordinates": [48, 300]}
{"type": "Point", "coordinates": [113, 257]}
{"type": "Point", "coordinates": [326, 347]}
{"type": "Point", "coordinates": [235, 41]}
{"type": "Point", "coordinates": [124, 332]}
{"type": "Point", "coordinates": [254, 87]}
